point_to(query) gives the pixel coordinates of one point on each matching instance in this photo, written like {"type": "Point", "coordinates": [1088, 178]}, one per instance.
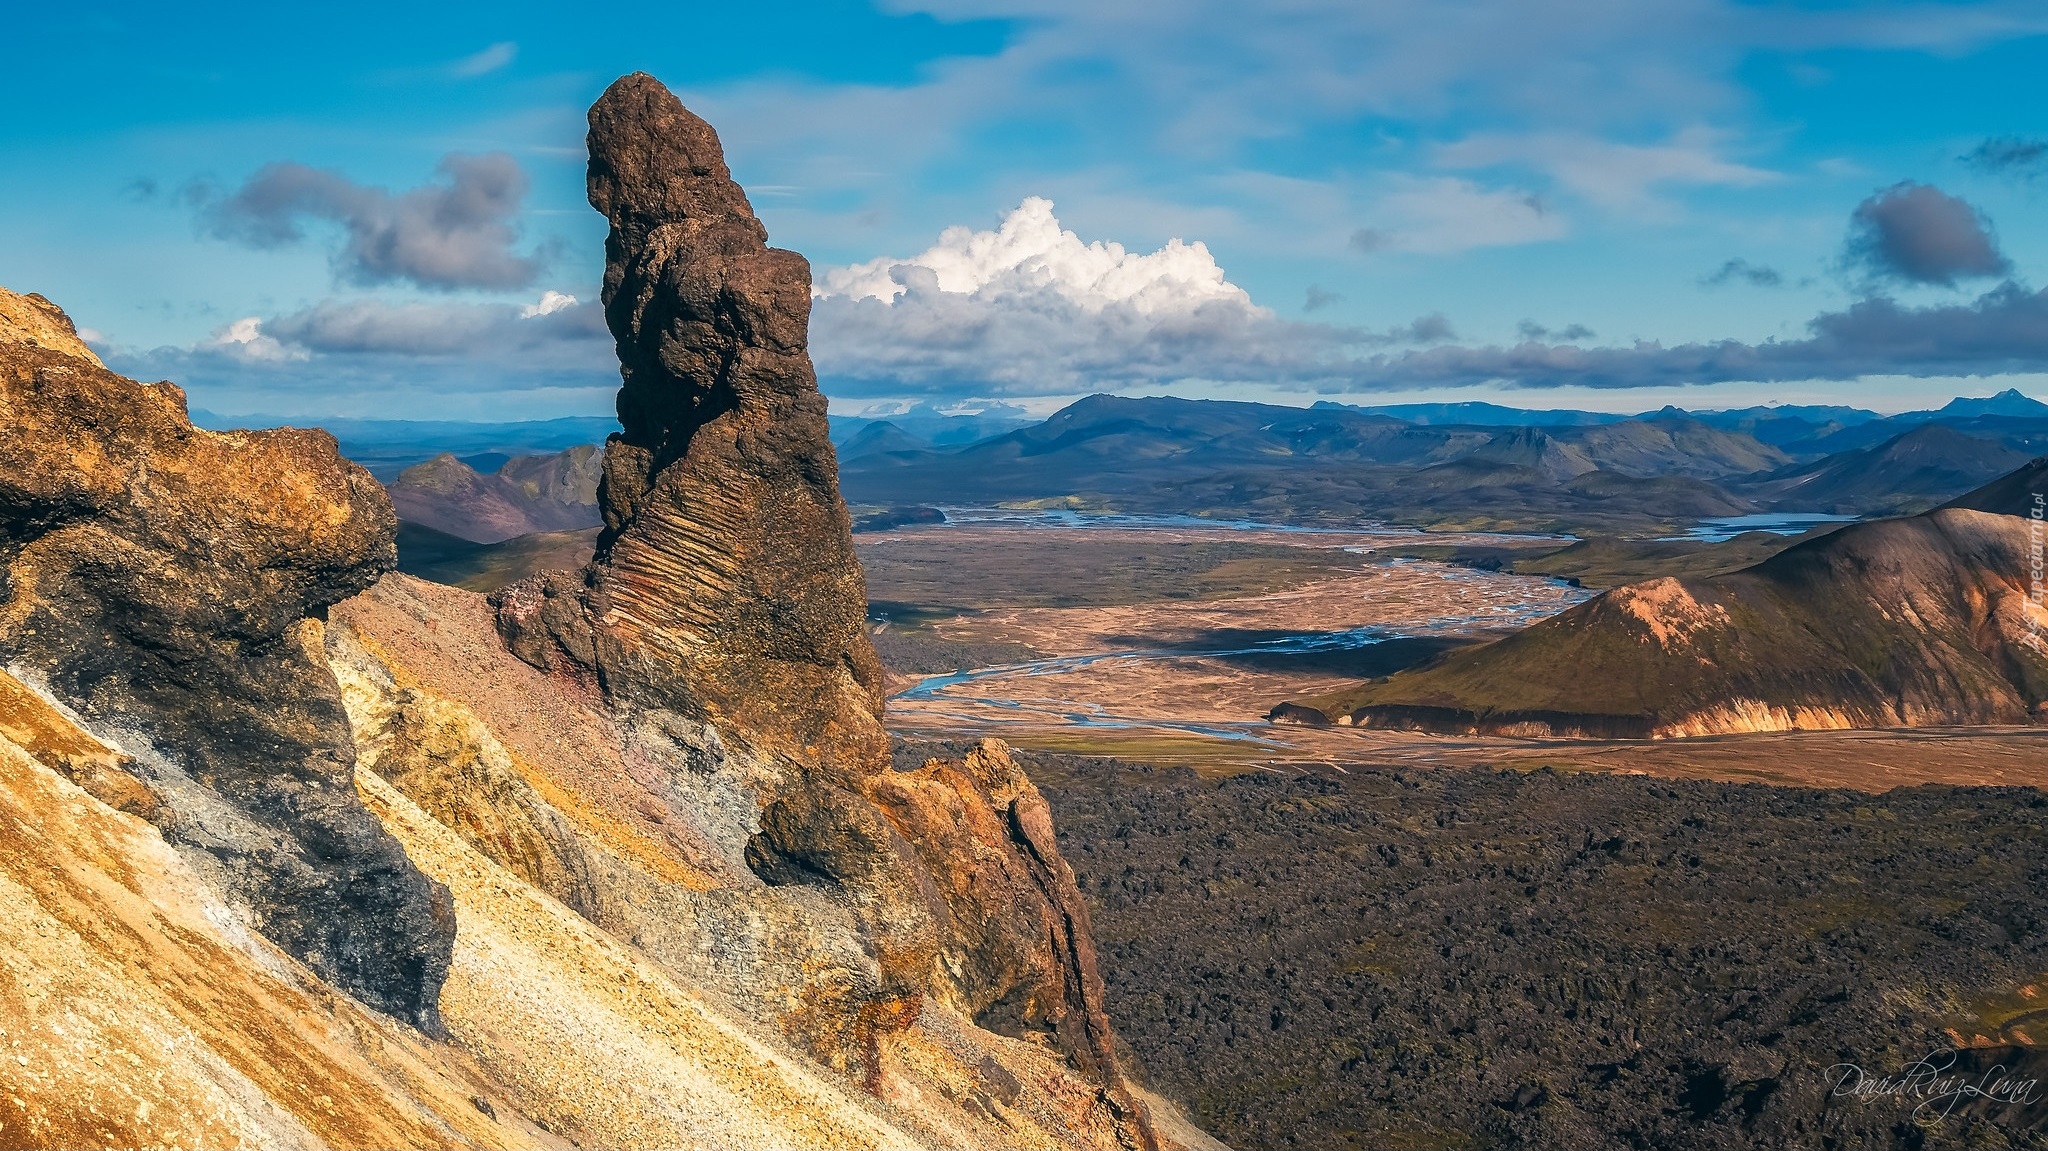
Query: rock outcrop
{"type": "Point", "coordinates": [165, 583]}
{"type": "Point", "coordinates": [647, 829]}
{"type": "Point", "coordinates": [1016, 952]}
{"type": "Point", "coordinates": [38, 323]}
{"type": "Point", "coordinates": [723, 619]}
{"type": "Point", "coordinates": [725, 580]}
{"type": "Point", "coordinates": [136, 1012]}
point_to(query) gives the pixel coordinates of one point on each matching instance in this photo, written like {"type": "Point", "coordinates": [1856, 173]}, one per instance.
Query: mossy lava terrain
{"type": "Point", "coordinates": [1465, 958]}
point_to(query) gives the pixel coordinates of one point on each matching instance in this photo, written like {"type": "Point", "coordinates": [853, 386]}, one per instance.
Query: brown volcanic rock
{"type": "Point", "coordinates": [725, 583]}
{"type": "Point", "coordinates": [725, 592]}
{"type": "Point", "coordinates": [1018, 955]}
{"type": "Point", "coordinates": [33, 320]}
{"type": "Point", "coordinates": [160, 581]}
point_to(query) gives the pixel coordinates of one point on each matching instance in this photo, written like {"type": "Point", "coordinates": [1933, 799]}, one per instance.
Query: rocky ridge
{"type": "Point", "coordinates": [725, 611]}
{"type": "Point", "coordinates": [164, 583]}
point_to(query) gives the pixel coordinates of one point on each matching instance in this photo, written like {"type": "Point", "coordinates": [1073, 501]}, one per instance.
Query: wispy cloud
{"type": "Point", "coordinates": [363, 355]}
{"type": "Point", "coordinates": [1570, 333]}
{"type": "Point", "coordinates": [489, 60]}
{"type": "Point", "coordinates": [2009, 156]}
{"type": "Point", "coordinates": [459, 233]}
{"type": "Point", "coordinates": [1613, 175]}
{"type": "Point", "coordinates": [1741, 270]}
{"type": "Point", "coordinates": [1445, 214]}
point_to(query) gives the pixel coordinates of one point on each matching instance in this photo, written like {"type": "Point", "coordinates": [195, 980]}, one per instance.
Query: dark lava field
{"type": "Point", "coordinates": [1422, 959]}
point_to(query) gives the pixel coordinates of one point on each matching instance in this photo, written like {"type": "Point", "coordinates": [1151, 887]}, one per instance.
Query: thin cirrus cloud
{"type": "Point", "coordinates": [1444, 215]}
{"type": "Point", "coordinates": [1918, 234]}
{"type": "Point", "coordinates": [457, 233]}
{"type": "Point", "coordinates": [489, 60]}
{"type": "Point", "coordinates": [1607, 173]}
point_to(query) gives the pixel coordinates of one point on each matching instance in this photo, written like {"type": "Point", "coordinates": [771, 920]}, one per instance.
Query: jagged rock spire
{"type": "Point", "coordinates": [725, 583]}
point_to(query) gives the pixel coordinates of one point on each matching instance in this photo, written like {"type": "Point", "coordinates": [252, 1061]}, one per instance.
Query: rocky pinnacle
{"type": "Point", "coordinates": [725, 579]}
{"type": "Point", "coordinates": [725, 589]}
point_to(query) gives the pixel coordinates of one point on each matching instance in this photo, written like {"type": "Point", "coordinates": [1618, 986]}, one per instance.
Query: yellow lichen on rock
{"type": "Point", "coordinates": [596, 1041]}
{"type": "Point", "coordinates": [31, 319]}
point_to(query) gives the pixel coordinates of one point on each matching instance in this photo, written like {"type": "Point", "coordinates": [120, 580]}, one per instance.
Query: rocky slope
{"type": "Point", "coordinates": [643, 876]}
{"type": "Point", "coordinates": [1908, 622]}
{"type": "Point", "coordinates": [723, 620]}
{"type": "Point", "coordinates": [137, 1010]}
{"type": "Point", "coordinates": [162, 581]}
{"type": "Point", "coordinates": [2022, 492]}
{"type": "Point", "coordinates": [526, 494]}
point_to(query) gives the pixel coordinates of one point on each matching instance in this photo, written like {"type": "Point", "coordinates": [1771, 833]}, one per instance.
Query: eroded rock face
{"type": "Point", "coordinates": [1017, 953]}
{"type": "Point", "coordinates": [725, 592]}
{"type": "Point", "coordinates": [725, 579]}
{"type": "Point", "coordinates": [33, 320]}
{"type": "Point", "coordinates": [163, 581]}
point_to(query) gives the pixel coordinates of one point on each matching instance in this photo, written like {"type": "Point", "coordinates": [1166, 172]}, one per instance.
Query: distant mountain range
{"type": "Point", "coordinates": [1922, 621]}
{"type": "Point", "coordinates": [923, 427]}
{"type": "Point", "coordinates": [1450, 465]}
{"type": "Point", "coordinates": [387, 447]}
{"type": "Point", "coordinates": [525, 494]}
{"type": "Point", "coordinates": [2010, 403]}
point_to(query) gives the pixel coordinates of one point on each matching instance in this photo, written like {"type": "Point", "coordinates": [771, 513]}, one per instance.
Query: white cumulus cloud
{"type": "Point", "coordinates": [1029, 308]}
{"type": "Point", "coordinates": [1031, 254]}
{"type": "Point", "coordinates": [245, 340]}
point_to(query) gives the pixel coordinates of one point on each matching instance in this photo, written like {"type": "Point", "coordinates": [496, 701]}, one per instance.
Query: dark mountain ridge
{"type": "Point", "coordinates": [1332, 463]}
{"type": "Point", "coordinates": [1910, 472]}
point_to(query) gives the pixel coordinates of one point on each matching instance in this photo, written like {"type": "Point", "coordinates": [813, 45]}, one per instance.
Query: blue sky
{"type": "Point", "coordinates": [377, 210]}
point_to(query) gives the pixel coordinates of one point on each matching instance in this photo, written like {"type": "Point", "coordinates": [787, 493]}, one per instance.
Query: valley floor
{"type": "Point", "coordinates": [1170, 644]}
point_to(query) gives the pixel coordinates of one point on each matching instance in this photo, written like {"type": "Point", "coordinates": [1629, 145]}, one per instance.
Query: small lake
{"type": "Point", "coordinates": [1716, 531]}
